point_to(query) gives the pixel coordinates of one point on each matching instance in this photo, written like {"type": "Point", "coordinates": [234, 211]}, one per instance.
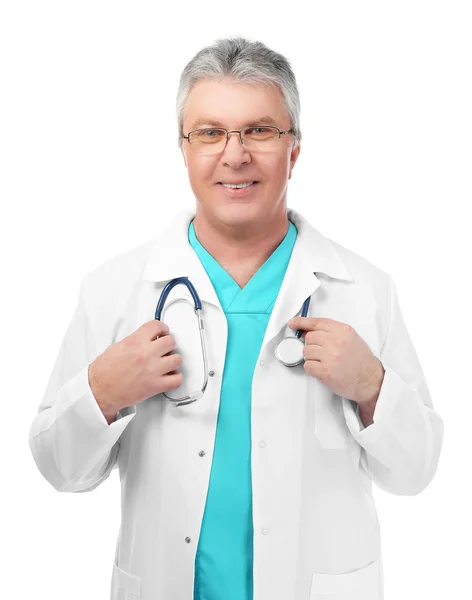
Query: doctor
{"type": "Point", "coordinates": [262, 488]}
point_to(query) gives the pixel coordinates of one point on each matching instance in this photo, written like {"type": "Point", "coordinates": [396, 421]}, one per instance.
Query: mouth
{"type": "Point", "coordinates": [241, 192]}
{"type": "Point", "coordinates": [253, 183]}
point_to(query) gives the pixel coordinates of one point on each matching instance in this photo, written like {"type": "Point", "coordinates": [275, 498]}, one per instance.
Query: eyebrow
{"type": "Point", "coordinates": [267, 120]}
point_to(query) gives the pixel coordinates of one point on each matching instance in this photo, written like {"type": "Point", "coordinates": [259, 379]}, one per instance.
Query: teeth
{"type": "Point", "coordinates": [239, 185]}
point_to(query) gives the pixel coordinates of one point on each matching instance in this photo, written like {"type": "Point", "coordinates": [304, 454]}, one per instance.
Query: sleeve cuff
{"type": "Point", "coordinates": [77, 396]}
{"type": "Point", "coordinates": [80, 429]}
{"type": "Point", "coordinates": [400, 420]}
{"type": "Point", "coordinates": [391, 389]}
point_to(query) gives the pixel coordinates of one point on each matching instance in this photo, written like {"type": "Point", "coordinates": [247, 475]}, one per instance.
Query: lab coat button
{"type": "Point", "coordinates": [201, 453]}
{"type": "Point", "coordinates": [188, 540]}
{"type": "Point", "coordinates": [262, 363]}
{"type": "Point", "coordinates": [264, 531]}
{"type": "Point", "coordinates": [262, 444]}
{"type": "Point", "coordinates": [211, 373]}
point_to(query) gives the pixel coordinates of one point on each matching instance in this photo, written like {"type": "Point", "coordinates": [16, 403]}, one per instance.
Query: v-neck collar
{"type": "Point", "coordinates": [261, 291]}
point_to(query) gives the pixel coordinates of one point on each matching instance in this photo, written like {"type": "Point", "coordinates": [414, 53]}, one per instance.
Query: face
{"type": "Point", "coordinates": [234, 105]}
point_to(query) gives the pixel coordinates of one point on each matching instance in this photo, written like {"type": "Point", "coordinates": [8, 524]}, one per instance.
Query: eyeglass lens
{"type": "Point", "coordinates": [211, 141]}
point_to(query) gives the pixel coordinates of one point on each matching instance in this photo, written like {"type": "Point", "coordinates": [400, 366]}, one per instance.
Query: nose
{"type": "Point", "coordinates": [235, 153]}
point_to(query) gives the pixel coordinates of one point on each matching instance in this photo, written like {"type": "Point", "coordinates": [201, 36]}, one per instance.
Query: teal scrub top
{"type": "Point", "coordinates": [224, 559]}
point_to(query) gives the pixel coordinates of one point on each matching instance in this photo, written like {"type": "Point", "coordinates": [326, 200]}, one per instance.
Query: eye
{"type": "Point", "coordinates": [211, 132]}
{"type": "Point", "coordinates": [256, 130]}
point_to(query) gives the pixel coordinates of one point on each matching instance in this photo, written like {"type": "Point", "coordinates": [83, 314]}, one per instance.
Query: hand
{"type": "Point", "coordinates": [135, 368]}
{"type": "Point", "coordinates": [336, 355]}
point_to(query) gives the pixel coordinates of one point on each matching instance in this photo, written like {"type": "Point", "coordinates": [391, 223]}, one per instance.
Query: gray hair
{"type": "Point", "coordinates": [248, 62]}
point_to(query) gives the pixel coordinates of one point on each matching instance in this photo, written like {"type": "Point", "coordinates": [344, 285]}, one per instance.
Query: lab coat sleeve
{"type": "Point", "coordinates": [403, 444]}
{"type": "Point", "coordinates": [73, 445]}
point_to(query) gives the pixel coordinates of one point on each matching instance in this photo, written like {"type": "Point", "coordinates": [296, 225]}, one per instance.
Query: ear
{"type": "Point", "coordinates": [293, 158]}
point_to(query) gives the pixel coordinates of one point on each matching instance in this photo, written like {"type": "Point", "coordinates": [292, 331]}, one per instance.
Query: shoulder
{"type": "Point", "coordinates": [122, 268]}
{"type": "Point", "coordinates": [110, 284]}
{"type": "Point", "coordinates": [361, 269]}
{"type": "Point", "coordinates": [369, 295]}
{"type": "Point", "coordinates": [367, 275]}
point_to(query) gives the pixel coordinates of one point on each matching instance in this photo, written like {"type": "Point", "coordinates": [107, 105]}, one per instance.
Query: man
{"type": "Point", "coordinates": [261, 488]}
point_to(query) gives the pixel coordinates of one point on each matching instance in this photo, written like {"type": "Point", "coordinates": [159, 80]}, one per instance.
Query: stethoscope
{"type": "Point", "coordinates": [289, 350]}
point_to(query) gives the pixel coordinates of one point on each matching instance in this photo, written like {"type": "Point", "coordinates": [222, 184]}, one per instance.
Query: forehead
{"type": "Point", "coordinates": [233, 104]}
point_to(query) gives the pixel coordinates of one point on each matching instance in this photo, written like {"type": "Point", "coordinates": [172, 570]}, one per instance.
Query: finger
{"type": "Point", "coordinates": [315, 369]}
{"type": "Point", "coordinates": [164, 345]}
{"type": "Point", "coordinates": [310, 323]}
{"type": "Point", "coordinates": [171, 363]}
{"type": "Point", "coordinates": [317, 337]}
{"type": "Point", "coordinates": [312, 352]}
{"type": "Point", "coordinates": [154, 329]}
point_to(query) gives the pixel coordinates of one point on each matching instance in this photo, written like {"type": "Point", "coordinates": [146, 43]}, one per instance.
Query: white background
{"type": "Point", "coordinates": [90, 167]}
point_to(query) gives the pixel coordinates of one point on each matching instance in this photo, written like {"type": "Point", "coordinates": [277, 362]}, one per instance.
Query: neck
{"type": "Point", "coordinates": [248, 244]}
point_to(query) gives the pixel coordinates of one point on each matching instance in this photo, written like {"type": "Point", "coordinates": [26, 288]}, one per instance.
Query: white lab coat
{"type": "Point", "coordinates": [316, 532]}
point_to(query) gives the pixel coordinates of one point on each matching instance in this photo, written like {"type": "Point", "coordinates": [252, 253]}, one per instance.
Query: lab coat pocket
{"type": "Point", "coordinates": [363, 584]}
{"type": "Point", "coordinates": [331, 428]}
{"type": "Point", "coordinates": [330, 423]}
{"type": "Point", "coordinates": [125, 586]}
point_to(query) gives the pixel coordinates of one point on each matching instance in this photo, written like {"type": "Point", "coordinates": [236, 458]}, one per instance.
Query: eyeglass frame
{"type": "Point", "coordinates": [187, 137]}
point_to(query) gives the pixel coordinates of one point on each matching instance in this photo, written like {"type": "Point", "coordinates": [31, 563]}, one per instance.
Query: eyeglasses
{"type": "Point", "coordinates": [213, 141]}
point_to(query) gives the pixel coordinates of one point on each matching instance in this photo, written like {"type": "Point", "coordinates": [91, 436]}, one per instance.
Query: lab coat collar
{"type": "Point", "coordinates": [172, 256]}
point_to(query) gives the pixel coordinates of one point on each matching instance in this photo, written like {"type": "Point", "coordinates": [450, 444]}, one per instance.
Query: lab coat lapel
{"type": "Point", "coordinates": [312, 253]}
{"type": "Point", "coordinates": [172, 256]}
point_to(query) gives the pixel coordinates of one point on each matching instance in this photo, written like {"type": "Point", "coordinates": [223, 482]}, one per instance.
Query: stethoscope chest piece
{"type": "Point", "coordinates": [289, 351]}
